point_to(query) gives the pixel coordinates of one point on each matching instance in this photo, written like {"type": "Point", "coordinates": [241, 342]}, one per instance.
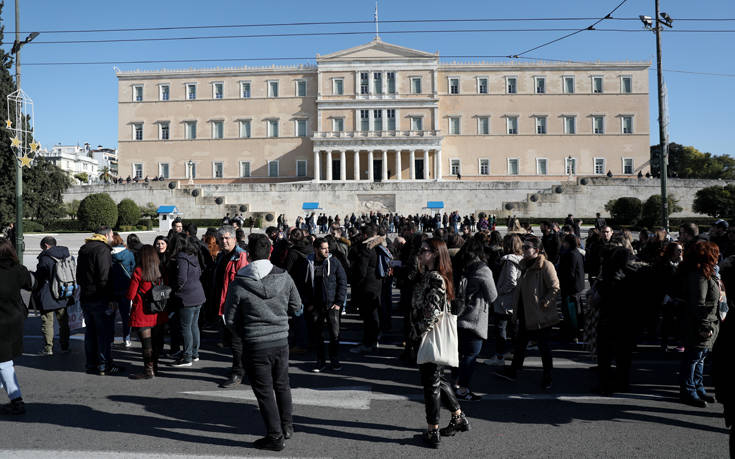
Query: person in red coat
{"type": "Point", "coordinates": [149, 326]}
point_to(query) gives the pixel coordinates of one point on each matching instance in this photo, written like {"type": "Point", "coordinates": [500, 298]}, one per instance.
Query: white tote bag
{"type": "Point", "coordinates": [440, 344]}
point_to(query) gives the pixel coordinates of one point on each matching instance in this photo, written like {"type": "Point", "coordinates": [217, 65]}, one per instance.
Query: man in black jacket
{"type": "Point", "coordinates": [49, 305]}
{"type": "Point", "coordinates": [93, 269]}
{"type": "Point", "coordinates": [366, 287]}
{"type": "Point", "coordinates": [323, 291]}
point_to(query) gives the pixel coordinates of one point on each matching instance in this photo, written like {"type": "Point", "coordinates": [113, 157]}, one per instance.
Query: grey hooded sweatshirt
{"type": "Point", "coordinates": [258, 304]}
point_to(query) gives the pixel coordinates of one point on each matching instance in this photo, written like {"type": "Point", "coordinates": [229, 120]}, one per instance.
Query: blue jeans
{"type": "Point", "coordinates": [99, 333]}
{"type": "Point", "coordinates": [189, 321]}
{"type": "Point", "coordinates": [123, 306]}
{"type": "Point", "coordinates": [470, 346]}
{"type": "Point", "coordinates": [691, 372]}
{"type": "Point", "coordinates": [9, 380]}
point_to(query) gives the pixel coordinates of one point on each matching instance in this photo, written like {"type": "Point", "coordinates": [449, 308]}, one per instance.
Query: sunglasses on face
{"type": "Point", "coordinates": [426, 251]}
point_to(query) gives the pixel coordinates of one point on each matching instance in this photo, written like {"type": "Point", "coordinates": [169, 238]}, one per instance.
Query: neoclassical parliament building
{"type": "Point", "coordinates": [381, 112]}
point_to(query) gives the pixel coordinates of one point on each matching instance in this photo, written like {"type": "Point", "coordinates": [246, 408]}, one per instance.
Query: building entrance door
{"type": "Point", "coordinates": [336, 170]}
{"type": "Point", "coordinates": [377, 170]}
{"type": "Point", "coordinates": [419, 168]}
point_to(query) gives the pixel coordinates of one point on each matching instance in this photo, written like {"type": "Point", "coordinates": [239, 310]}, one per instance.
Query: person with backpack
{"type": "Point", "coordinates": [121, 271]}
{"type": "Point", "coordinates": [93, 271]}
{"type": "Point", "coordinates": [147, 323]}
{"type": "Point", "coordinates": [51, 260]}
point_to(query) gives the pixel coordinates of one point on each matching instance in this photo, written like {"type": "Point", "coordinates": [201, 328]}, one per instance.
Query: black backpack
{"type": "Point", "coordinates": [156, 299]}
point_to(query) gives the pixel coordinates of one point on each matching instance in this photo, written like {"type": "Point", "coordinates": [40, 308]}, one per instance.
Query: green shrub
{"type": "Point", "coordinates": [146, 223]}
{"type": "Point", "coordinates": [715, 201]}
{"type": "Point", "coordinates": [128, 212]}
{"type": "Point", "coordinates": [625, 210]}
{"type": "Point", "coordinates": [651, 211]}
{"type": "Point", "coordinates": [127, 228]}
{"type": "Point", "coordinates": [97, 210]}
{"type": "Point", "coordinates": [31, 226]}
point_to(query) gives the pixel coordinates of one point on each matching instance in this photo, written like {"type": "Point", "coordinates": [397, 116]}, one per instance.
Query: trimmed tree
{"type": "Point", "coordinates": [625, 210]}
{"type": "Point", "coordinates": [715, 201]}
{"type": "Point", "coordinates": [651, 213]}
{"type": "Point", "coordinates": [128, 213]}
{"type": "Point", "coordinates": [97, 210]}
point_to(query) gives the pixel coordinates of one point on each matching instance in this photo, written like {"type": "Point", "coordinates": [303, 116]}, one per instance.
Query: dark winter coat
{"type": "Point", "coordinates": [700, 316]}
{"type": "Point", "coordinates": [365, 282]}
{"type": "Point", "coordinates": [539, 287]}
{"type": "Point", "coordinates": [121, 271]}
{"type": "Point", "coordinates": [44, 274]}
{"type": "Point", "coordinates": [188, 288]}
{"type": "Point", "coordinates": [723, 370]}
{"type": "Point", "coordinates": [479, 296]}
{"type": "Point", "coordinates": [296, 253]}
{"type": "Point", "coordinates": [93, 269]}
{"type": "Point", "coordinates": [552, 246]}
{"type": "Point", "coordinates": [12, 311]}
{"type": "Point", "coordinates": [334, 283]}
{"type": "Point", "coordinates": [571, 273]}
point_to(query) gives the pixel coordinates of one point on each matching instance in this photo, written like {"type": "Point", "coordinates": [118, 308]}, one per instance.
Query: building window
{"type": "Point", "coordinates": [218, 169]}
{"type": "Point", "coordinates": [301, 128]}
{"type": "Point", "coordinates": [391, 80]}
{"type": "Point", "coordinates": [338, 86]}
{"type": "Point", "coordinates": [598, 124]}
{"type": "Point", "coordinates": [513, 166]}
{"type": "Point", "coordinates": [628, 166]}
{"type": "Point", "coordinates": [272, 128]}
{"type": "Point", "coordinates": [300, 88]}
{"type": "Point", "coordinates": [597, 85]}
{"type": "Point", "coordinates": [164, 92]}
{"type": "Point", "coordinates": [511, 123]}
{"type": "Point", "coordinates": [568, 84]}
{"type": "Point", "coordinates": [482, 85]}
{"type": "Point", "coordinates": [483, 125]}
{"type": "Point", "coordinates": [484, 166]}
{"type": "Point", "coordinates": [540, 125]}
{"type": "Point", "coordinates": [338, 124]}
{"type": "Point", "coordinates": [163, 170]}
{"type": "Point", "coordinates": [138, 131]}
{"type": "Point", "coordinates": [244, 168]}
{"type": "Point", "coordinates": [570, 124]}
{"type": "Point", "coordinates": [570, 166]}
{"type": "Point", "coordinates": [138, 170]}
{"type": "Point", "coordinates": [511, 85]}
{"type": "Point", "coordinates": [540, 85]}
{"type": "Point", "coordinates": [245, 89]}
{"type": "Point", "coordinates": [377, 120]}
{"type": "Point", "coordinates": [364, 120]}
{"type": "Point", "coordinates": [273, 168]}
{"type": "Point", "coordinates": [626, 84]}
{"type": "Point", "coordinates": [627, 124]}
{"type": "Point", "coordinates": [218, 129]}
{"type": "Point", "coordinates": [454, 125]}
{"type": "Point", "coordinates": [191, 91]}
{"type": "Point", "coordinates": [364, 83]}
{"type": "Point", "coordinates": [218, 90]}
{"type": "Point", "coordinates": [138, 93]}
{"type": "Point", "coordinates": [273, 89]}
{"type": "Point", "coordinates": [415, 85]}
{"type": "Point", "coordinates": [542, 166]}
{"type": "Point", "coordinates": [454, 167]}
{"type": "Point", "coordinates": [417, 123]}
{"type": "Point", "coordinates": [391, 116]}
{"type": "Point", "coordinates": [190, 128]}
{"type": "Point", "coordinates": [454, 86]}
{"type": "Point", "coordinates": [245, 131]}
{"type": "Point", "coordinates": [301, 168]}
{"type": "Point", "coordinates": [599, 166]}
{"type": "Point", "coordinates": [377, 83]}
{"type": "Point", "coordinates": [163, 130]}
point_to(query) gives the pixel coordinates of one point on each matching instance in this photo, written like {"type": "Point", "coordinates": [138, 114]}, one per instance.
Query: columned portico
{"type": "Point", "coordinates": [371, 174]}
{"type": "Point", "coordinates": [412, 165]}
{"type": "Point", "coordinates": [426, 164]}
{"type": "Point", "coordinates": [316, 165]}
{"type": "Point", "coordinates": [342, 165]}
{"type": "Point", "coordinates": [356, 167]}
{"type": "Point", "coordinates": [384, 165]}
{"type": "Point", "coordinates": [398, 164]}
{"type": "Point", "coordinates": [438, 161]}
{"type": "Point", "coordinates": [329, 165]}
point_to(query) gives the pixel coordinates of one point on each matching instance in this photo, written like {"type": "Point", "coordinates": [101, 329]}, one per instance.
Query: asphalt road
{"type": "Point", "coordinates": [372, 408]}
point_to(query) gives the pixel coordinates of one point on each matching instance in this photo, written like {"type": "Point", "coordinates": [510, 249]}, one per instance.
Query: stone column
{"type": "Point", "coordinates": [384, 163]}
{"type": "Point", "coordinates": [426, 164]}
{"type": "Point", "coordinates": [412, 165]}
{"type": "Point", "coordinates": [398, 165]}
{"type": "Point", "coordinates": [342, 165]}
{"type": "Point", "coordinates": [316, 166]}
{"type": "Point", "coordinates": [356, 170]}
{"type": "Point", "coordinates": [329, 165]}
{"type": "Point", "coordinates": [438, 156]}
{"type": "Point", "coordinates": [371, 176]}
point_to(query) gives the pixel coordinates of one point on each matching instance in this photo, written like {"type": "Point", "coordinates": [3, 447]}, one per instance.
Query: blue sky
{"type": "Point", "coordinates": [78, 103]}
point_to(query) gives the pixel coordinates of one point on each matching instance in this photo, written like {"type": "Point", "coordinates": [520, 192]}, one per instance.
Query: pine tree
{"type": "Point", "coordinates": [7, 156]}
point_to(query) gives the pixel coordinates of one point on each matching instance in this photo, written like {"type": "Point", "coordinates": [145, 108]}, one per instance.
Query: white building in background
{"type": "Point", "coordinates": [106, 157]}
{"type": "Point", "coordinates": [74, 159]}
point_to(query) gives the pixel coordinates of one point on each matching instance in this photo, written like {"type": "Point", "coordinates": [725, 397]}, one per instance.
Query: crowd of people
{"type": "Point", "coordinates": [279, 292]}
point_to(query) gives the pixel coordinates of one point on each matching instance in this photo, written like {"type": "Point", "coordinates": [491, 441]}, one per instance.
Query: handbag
{"type": "Point", "coordinates": [157, 298]}
{"type": "Point", "coordinates": [440, 344]}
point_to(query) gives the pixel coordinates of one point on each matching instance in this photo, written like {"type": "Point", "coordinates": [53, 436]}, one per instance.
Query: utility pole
{"type": "Point", "coordinates": [19, 241]}
{"type": "Point", "coordinates": [663, 144]}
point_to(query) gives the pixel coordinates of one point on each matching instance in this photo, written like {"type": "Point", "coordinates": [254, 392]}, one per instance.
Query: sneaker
{"type": "Point", "coordinates": [495, 361]}
{"type": "Point", "coordinates": [693, 401]}
{"type": "Point", "coordinates": [362, 349]}
{"type": "Point", "coordinates": [15, 407]}
{"type": "Point", "coordinates": [175, 355]}
{"type": "Point", "coordinates": [706, 397]}
{"type": "Point", "coordinates": [45, 352]}
{"type": "Point", "coordinates": [456, 424]}
{"type": "Point", "coordinates": [180, 363]}
{"type": "Point", "coordinates": [679, 349]}
{"type": "Point", "coordinates": [336, 367]}
{"type": "Point", "coordinates": [431, 438]}
{"type": "Point", "coordinates": [113, 370]}
{"type": "Point", "coordinates": [195, 358]}
{"type": "Point", "coordinates": [232, 381]}
{"type": "Point", "coordinates": [532, 347]}
{"type": "Point", "coordinates": [319, 367]}
{"type": "Point", "coordinates": [507, 374]}
{"type": "Point", "coordinates": [270, 443]}
{"type": "Point", "coordinates": [467, 395]}
{"type": "Point", "coordinates": [546, 382]}
{"type": "Point", "coordinates": [128, 343]}
{"type": "Point", "coordinates": [287, 430]}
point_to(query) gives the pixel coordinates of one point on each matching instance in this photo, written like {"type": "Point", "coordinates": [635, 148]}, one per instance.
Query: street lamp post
{"type": "Point", "coordinates": [190, 165]}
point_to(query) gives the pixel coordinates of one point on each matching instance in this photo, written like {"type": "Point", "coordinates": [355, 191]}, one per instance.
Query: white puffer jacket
{"type": "Point", "coordinates": [508, 291]}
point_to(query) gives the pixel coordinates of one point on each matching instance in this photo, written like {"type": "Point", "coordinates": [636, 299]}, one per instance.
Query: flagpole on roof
{"type": "Point", "coordinates": [377, 37]}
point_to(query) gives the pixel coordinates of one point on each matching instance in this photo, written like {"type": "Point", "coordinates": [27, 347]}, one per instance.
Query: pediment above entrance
{"type": "Point", "coordinates": [377, 50]}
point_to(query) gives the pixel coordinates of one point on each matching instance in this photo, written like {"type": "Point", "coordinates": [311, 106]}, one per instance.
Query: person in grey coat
{"type": "Point", "coordinates": [472, 320]}
{"type": "Point", "coordinates": [257, 306]}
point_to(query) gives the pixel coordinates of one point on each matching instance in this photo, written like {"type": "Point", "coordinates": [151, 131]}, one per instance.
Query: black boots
{"type": "Point", "coordinates": [15, 407]}
{"type": "Point", "coordinates": [432, 438]}
{"type": "Point", "coordinates": [458, 423]}
{"type": "Point", "coordinates": [148, 363]}
{"type": "Point", "coordinates": [270, 443]}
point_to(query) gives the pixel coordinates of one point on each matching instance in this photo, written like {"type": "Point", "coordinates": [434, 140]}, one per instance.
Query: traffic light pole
{"type": "Point", "coordinates": [663, 143]}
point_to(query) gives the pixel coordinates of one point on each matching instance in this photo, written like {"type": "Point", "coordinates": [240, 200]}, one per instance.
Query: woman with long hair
{"type": "Point", "coordinates": [15, 277]}
{"type": "Point", "coordinates": [432, 293]}
{"type": "Point", "coordinates": [187, 288]}
{"type": "Point", "coordinates": [702, 295]}
{"type": "Point", "coordinates": [505, 305]}
{"type": "Point", "coordinates": [148, 325]}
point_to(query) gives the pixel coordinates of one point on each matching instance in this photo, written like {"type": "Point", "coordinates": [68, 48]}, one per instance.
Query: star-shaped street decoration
{"type": "Point", "coordinates": [15, 142]}
{"type": "Point", "coordinates": [25, 161]}
{"type": "Point", "coordinates": [35, 146]}
{"type": "Point", "coordinates": [8, 124]}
